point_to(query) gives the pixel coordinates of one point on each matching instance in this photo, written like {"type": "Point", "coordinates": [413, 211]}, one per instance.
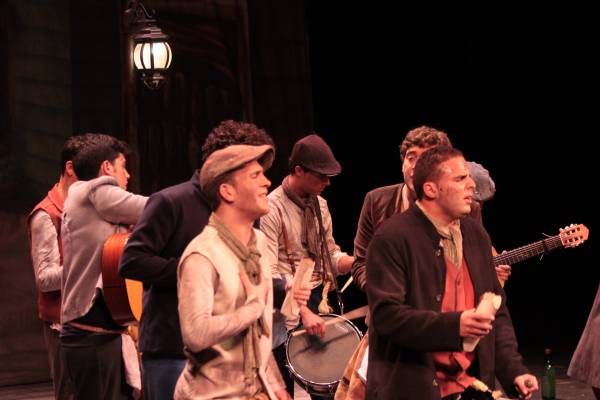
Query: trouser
{"type": "Point", "coordinates": [159, 375]}
{"type": "Point", "coordinates": [63, 388]}
{"type": "Point", "coordinates": [95, 366]}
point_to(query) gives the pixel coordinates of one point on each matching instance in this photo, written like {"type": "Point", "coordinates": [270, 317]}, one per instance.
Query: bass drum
{"type": "Point", "coordinates": [317, 364]}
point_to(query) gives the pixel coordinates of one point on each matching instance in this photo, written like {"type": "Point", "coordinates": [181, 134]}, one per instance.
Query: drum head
{"type": "Point", "coordinates": [322, 361]}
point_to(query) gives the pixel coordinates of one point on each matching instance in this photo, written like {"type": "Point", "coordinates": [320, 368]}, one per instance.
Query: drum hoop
{"type": "Point", "coordinates": [287, 354]}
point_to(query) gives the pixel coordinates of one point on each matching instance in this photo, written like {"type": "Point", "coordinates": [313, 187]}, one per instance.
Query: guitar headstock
{"type": "Point", "coordinates": [574, 235]}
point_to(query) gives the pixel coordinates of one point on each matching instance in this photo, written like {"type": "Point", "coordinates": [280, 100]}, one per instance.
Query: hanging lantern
{"type": "Point", "coordinates": [152, 54]}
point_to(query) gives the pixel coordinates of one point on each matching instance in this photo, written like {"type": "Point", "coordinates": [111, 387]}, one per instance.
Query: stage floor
{"type": "Point", "coordinates": [566, 388]}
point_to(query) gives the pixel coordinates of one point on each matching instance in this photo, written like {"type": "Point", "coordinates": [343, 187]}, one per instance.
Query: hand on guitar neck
{"type": "Point", "coordinates": [569, 236]}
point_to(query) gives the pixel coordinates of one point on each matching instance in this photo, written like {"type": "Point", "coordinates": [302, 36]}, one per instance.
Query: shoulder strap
{"type": "Point", "coordinates": [325, 250]}
{"type": "Point", "coordinates": [286, 242]}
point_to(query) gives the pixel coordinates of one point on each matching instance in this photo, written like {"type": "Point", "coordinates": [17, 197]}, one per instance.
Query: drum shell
{"type": "Point", "coordinates": [317, 364]}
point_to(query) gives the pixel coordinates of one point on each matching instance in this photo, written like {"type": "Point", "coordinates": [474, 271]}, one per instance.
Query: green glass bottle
{"type": "Point", "coordinates": [548, 377]}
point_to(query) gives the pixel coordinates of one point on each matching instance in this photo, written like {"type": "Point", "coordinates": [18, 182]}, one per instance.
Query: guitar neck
{"type": "Point", "coordinates": [531, 250]}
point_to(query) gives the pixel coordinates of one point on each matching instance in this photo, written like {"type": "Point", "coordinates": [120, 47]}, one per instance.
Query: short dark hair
{"type": "Point", "coordinates": [73, 145]}
{"type": "Point", "coordinates": [99, 147]}
{"type": "Point", "coordinates": [234, 132]}
{"type": "Point", "coordinates": [424, 136]}
{"type": "Point", "coordinates": [427, 166]}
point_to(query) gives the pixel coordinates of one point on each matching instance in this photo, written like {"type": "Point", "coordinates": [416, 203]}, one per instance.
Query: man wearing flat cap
{"type": "Point", "coordinates": [224, 286]}
{"type": "Point", "coordinates": [171, 219]}
{"type": "Point", "coordinates": [298, 226]}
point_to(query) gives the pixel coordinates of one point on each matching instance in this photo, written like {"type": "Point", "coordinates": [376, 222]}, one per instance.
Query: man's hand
{"type": "Point", "coordinates": [282, 394]}
{"type": "Point", "coordinates": [503, 272]}
{"type": "Point", "coordinates": [301, 295]}
{"type": "Point", "coordinates": [345, 264]}
{"type": "Point", "coordinates": [254, 292]}
{"type": "Point", "coordinates": [526, 384]}
{"type": "Point", "coordinates": [313, 324]}
{"type": "Point", "coordinates": [474, 324]}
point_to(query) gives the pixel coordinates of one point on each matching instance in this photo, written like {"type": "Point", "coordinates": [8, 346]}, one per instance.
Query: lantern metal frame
{"type": "Point", "coordinates": [146, 34]}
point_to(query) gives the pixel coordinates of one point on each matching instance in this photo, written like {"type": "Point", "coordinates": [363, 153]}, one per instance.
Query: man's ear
{"type": "Point", "coordinates": [227, 192]}
{"type": "Point", "coordinates": [69, 171]}
{"type": "Point", "coordinates": [431, 190]}
{"type": "Point", "coordinates": [106, 169]}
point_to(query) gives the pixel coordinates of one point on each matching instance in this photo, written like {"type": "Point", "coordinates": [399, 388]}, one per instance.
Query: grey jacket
{"type": "Point", "coordinates": [93, 211]}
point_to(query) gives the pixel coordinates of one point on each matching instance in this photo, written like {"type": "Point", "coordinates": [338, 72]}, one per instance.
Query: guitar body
{"type": "Point", "coordinates": [122, 296]}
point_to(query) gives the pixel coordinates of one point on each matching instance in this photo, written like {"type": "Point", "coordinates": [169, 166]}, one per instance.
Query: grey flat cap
{"type": "Point", "coordinates": [233, 157]}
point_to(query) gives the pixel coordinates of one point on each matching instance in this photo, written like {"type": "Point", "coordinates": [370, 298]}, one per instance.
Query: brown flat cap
{"type": "Point", "coordinates": [233, 157]}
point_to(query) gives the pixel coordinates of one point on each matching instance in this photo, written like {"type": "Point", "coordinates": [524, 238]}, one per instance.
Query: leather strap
{"type": "Point", "coordinates": [95, 329]}
{"type": "Point", "coordinates": [286, 242]}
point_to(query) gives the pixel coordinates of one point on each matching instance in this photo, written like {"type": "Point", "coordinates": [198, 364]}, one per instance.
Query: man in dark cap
{"type": "Point", "coordinates": [298, 226]}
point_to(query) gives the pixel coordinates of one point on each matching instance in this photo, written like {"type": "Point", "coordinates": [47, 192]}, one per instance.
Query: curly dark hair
{"type": "Point", "coordinates": [424, 136]}
{"type": "Point", "coordinates": [427, 167]}
{"type": "Point", "coordinates": [234, 132]}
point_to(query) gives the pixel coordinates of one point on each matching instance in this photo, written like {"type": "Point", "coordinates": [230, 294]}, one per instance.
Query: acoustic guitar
{"type": "Point", "coordinates": [122, 296]}
{"type": "Point", "coordinates": [570, 236]}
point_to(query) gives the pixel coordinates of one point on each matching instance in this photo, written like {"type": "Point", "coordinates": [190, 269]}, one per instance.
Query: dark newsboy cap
{"type": "Point", "coordinates": [311, 152]}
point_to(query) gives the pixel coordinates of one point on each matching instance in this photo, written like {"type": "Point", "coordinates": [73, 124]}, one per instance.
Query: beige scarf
{"type": "Point", "coordinates": [451, 240]}
{"type": "Point", "coordinates": [250, 256]}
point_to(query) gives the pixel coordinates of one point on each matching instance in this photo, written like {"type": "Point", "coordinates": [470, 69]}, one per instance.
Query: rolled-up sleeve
{"type": "Point", "coordinates": [45, 252]}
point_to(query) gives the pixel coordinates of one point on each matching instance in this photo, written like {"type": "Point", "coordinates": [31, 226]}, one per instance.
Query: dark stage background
{"type": "Point", "coordinates": [516, 87]}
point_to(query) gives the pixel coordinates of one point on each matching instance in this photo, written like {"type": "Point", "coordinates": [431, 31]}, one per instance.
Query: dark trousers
{"type": "Point", "coordinates": [63, 388]}
{"type": "Point", "coordinates": [95, 366]}
{"type": "Point", "coordinates": [159, 375]}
